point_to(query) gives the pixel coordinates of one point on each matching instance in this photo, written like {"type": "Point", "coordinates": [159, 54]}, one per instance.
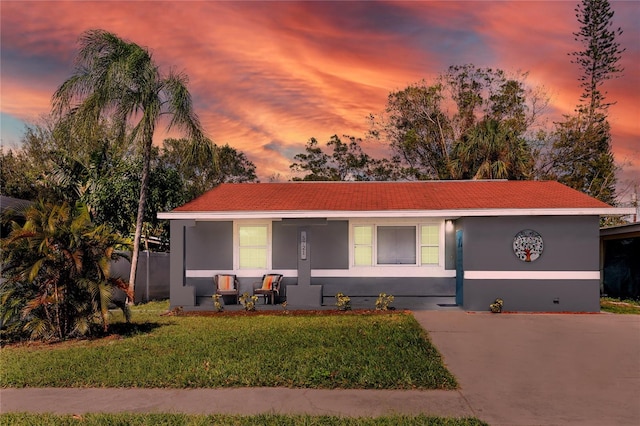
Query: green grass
{"type": "Point", "coordinates": [323, 351]}
{"type": "Point", "coordinates": [201, 420]}
{"type": "Point", "coordinates": [617, 306]}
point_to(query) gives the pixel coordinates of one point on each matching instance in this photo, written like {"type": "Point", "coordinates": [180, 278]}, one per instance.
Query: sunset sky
{"type": "Point", "coordinates": [267, 76]}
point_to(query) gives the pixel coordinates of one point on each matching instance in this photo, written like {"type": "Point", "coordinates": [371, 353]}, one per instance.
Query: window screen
{"type": "Point", "coordinates": [253, 247]}
{"type": "Point", "coordinates": [429, 241]}
{"type": "Point", "coordinates": [363, 245]}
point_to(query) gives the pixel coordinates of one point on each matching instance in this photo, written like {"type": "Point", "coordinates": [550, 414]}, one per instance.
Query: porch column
{"type": "Point", "coordinates": [304, 294]}
{"type": "Point", "coordinates": [179, 293]}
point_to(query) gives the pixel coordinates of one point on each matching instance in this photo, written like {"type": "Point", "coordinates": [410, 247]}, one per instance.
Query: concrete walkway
{"type": "Point", "coordinates": [514, 369]}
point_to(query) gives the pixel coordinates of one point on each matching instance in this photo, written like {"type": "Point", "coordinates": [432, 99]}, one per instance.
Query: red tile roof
{"type": "Point", "coordinates": [390, 196]}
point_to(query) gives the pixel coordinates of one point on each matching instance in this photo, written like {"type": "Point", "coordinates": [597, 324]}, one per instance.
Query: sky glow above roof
{"type": "Point", "coordinates": [267, 76]}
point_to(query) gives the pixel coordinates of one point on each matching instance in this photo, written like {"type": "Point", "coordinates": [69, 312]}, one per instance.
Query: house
{"type": "Point", "coordinates": [533, 244]}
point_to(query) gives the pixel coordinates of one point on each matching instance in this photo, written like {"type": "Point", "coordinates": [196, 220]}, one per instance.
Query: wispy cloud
{"type": "Point", "coordinates": [267, 76]}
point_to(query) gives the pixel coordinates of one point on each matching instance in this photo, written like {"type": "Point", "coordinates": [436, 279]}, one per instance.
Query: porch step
{"type": "Point", "coordinates": [204, 301]}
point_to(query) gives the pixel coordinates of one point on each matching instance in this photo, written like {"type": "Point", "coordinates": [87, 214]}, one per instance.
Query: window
{"type": "Point", "coordinates": [253, 242]}
{"type": "Point", "coordinates": [396, 245]}
{"type": "Point", "coordinates": [429, 241]}
{"type": "Point", "coordinates": [363, 245]}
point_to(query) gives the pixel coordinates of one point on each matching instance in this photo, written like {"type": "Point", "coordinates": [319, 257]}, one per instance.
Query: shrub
{"type": "Point", "coordinates": [383, 301]}
{"type": "Point", "coordinates": [249, 302]}
{"type": "Point", "coordinates": [56, 273]}
{"type": "Point", "coordinates": [216, 303]}
{"type": "Point", "coordinates": [496, 307]}
{"type": "Point", "coordinates": [343, 302]}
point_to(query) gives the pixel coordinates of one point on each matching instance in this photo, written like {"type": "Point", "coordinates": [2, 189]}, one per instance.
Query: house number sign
{"type": "Point", "coordinates": [527, 245]}
{"type": "Point", "coordinates": [303, 245]}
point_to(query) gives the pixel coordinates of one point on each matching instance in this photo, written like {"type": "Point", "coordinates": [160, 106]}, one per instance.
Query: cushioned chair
{"type": "Point", "coordinates": [226, 285]}
{"type": "Point", "coordinates": [269, 287]}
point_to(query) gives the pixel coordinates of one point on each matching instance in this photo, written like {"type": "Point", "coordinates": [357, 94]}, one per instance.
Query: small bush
{"type": "Point", "coordinates": [343, 302]}
{"type": "Point", "coordinates": [496, 306]}
{"type": "Point", "coordinates": [383, 301]}
{"type": "Point", "coordinates": [249, 302]}
{"type": "Point", "coordinates": [216, 303]}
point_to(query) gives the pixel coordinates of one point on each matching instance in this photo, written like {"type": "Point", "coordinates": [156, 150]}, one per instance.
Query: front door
{"type": "Point", "coordinates": [459, 268]}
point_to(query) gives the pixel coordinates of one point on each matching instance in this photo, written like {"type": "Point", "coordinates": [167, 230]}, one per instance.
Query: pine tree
{"type": "Point", "coordinates": [599, 61]}
{"type": "Point", "coordinates": [581, 156]}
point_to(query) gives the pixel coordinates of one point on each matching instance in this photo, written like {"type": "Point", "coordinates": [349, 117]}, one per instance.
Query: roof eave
{"type": "Point", "coordinates": [452, 213]}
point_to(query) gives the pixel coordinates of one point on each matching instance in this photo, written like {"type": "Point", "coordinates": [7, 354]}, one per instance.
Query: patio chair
{"type": "Point", "coordinates": [226, 285]}
{"type": "Point", "coordinates": [270, 287]}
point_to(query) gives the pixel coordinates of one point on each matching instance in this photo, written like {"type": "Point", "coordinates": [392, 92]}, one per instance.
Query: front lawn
{"type": "Point", "coordinates": [320, 351]}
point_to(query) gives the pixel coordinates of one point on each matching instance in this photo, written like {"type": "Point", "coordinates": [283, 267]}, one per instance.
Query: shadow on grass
{"type": "Point", "coordinates": [115, 331]}
{"type": "Point", "coordinates": [133, 329]}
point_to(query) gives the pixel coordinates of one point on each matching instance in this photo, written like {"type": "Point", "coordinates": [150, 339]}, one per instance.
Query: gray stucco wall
{"type": "Point", "coordinates": [570, 244]}
{"type": "Point", "coordinates": [534, 295]}
{"type": "Point", "coordinates": [284, 241]}
{"type": "Point", "coordinates": [329, 242]}
{"type": "Point", "coordinates": [396, 286]}
{"type": "Point", "coordinates": [210, 246]}
{"type": "Point", "coordinates": [330, 245]}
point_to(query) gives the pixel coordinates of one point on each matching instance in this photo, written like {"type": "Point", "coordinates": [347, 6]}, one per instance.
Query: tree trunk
{"type": "Point", "coordinates": [144, 186]}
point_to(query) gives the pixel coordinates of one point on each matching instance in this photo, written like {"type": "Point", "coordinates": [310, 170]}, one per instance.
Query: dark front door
{"type": "Point", "coordinates": [459, 268]}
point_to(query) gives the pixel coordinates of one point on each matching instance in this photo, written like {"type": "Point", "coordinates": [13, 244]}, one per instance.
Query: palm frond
{"type": "Point", "coordinates": [180, 106]}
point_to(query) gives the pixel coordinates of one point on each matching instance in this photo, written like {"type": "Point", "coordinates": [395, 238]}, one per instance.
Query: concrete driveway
{"type": "Point", "coordinates": [542, 369]}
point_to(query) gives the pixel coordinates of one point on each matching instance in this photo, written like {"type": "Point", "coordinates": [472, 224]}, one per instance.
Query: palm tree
{"type": "Point", "coordinates": [491, 150]}
{"type": "Point", "coordinates": [56, 272]}
{"type": "Point", "coordinates": [119, 79]}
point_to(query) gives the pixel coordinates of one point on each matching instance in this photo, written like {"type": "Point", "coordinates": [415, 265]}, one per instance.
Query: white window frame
{"type": "Point", "coordinates": [417, 224]}
{"type": "Point", "coordinates": [236, 245]}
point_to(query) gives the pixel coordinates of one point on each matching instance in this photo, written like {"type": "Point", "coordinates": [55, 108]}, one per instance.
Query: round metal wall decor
{"type": "Point", "coordinates": [527, 245]}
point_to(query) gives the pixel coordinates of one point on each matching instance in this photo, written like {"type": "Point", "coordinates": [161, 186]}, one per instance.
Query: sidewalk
{"type": "Point", "coordinates": [236, 401]}
{"type": "Point", "coordinates": [513, 369]}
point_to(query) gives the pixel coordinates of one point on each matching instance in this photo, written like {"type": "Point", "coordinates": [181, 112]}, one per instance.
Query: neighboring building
{"type": "Point", "coordinates": [533, 244]}
{"type": "Point", "coordinates": [620, 257]}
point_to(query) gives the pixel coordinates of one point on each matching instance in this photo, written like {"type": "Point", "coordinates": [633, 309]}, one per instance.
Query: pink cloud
{"type": "Point", "coordinates": [267, 76]}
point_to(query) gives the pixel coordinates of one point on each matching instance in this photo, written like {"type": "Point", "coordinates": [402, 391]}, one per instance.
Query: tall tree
{"type": "Point", "coordinates": [429, 135]}
{"type": "Point", "coordinates": [599, 60]}
{"type": "Point", "coordinates": [419, 130]}
{"type": "Point", "coordinates": [120, 79]}
{"type": "Point", "coordinates": [23, 169]}
{"type": "Point", "coordinates": [492, 150]}
{"type": "Point", "coordinates": [581, 156]}
{"type": "Point", "coordinates": [314, 162]}
{"type": "Point", "coordinates": [345, 161]}
{"type": "Point", "coordinates": [201, 173]}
